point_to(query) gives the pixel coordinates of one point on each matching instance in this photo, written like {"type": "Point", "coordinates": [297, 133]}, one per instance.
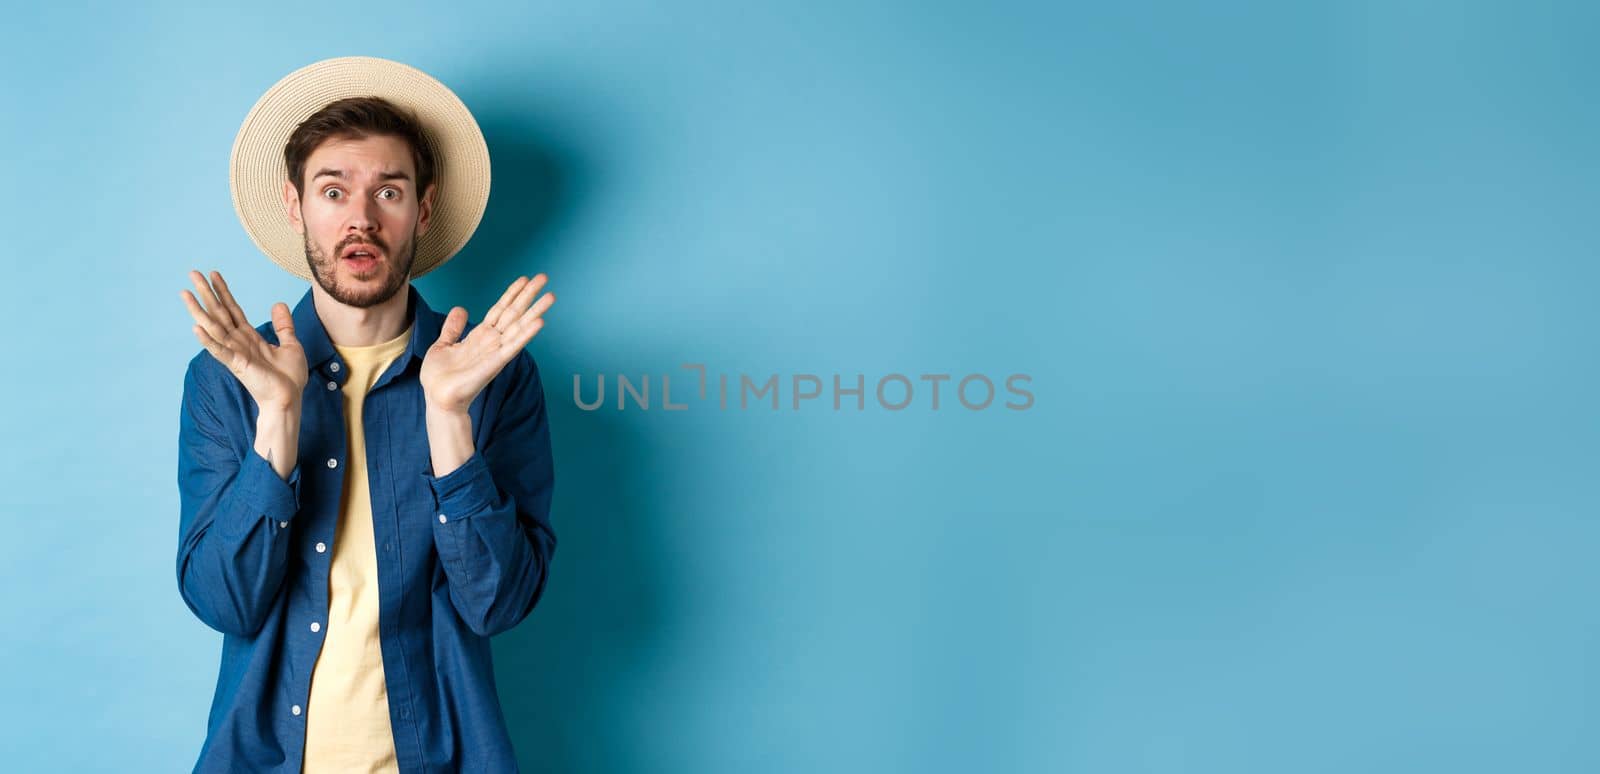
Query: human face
{"type": "Point", "coordinates": [360, 195]}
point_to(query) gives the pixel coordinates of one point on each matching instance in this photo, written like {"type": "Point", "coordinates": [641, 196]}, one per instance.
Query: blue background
{"type": "Point", "coordinates": [1304, 289]}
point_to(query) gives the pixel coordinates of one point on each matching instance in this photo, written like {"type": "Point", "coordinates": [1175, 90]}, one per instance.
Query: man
{"type": "Point", "coordinates": [365, 493]}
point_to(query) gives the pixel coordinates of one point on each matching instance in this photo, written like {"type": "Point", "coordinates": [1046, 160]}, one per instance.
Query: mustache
{"type": "Point", "coordinates": [378, 243]}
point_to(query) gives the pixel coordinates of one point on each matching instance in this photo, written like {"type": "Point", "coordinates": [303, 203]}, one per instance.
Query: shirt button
{"type": "Point", "coordinates": [316, 627]}
{"type": "Point", "coordinates": [333, 385]}
{"type": "Point", "coordinates": [295, 709]}
{"type": "Point", "coordinates": [441, 518]}
{"type": "Point", "coordinates": [385, 546]}
{"type": "Point", "coordinates": [333, 463]}
{"type": "Point", "coordinates": [321, 546]}
{"type": "Point", "coordinates": [283, 523]}
{"type": "Point", "coordinates": [334, 366]}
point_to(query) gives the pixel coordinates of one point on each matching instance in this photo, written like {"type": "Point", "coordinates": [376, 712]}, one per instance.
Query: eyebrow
{"type": "Point", "coordinates": [391, 174]}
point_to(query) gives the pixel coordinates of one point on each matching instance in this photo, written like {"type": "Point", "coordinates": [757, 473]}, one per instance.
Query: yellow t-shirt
{"type": "Point", "coordinates": [347, 714]}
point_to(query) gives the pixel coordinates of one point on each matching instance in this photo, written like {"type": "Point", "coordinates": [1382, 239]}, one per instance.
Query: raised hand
{"type": "Point", "coordinates": [454, 372]}
{"type": "Point", "coordinates": [275, 375]}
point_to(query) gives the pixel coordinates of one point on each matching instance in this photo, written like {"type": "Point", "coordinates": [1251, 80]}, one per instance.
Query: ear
{"type": "Point", "coordinates": [425, 209]}
{"type": "Point", "coordinates": [291, 206]}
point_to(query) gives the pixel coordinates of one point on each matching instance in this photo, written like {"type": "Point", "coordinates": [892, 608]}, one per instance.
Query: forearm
{"type": "Point", "coordinates": [492, 523]}
{"type": "Point", "coordinates": [495, 555]}
{"type": "Point", "coordinates": [234, 538]}
{"type": "Point", "coordinates": [278, 437]}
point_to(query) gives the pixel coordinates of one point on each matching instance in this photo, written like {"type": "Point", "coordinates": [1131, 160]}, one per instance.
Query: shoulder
{"type": "Point", "coordinates": [519, 374]}
{"type": "Point", "coordinates": [204, 370]}
{"type": "Point", "coordinates": [518, 384]}
{"type": "Point", "coordinates": [208, 382]}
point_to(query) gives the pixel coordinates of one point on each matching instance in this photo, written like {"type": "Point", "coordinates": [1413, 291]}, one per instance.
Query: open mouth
{"type": "Point", "coordinates": [361, 256]}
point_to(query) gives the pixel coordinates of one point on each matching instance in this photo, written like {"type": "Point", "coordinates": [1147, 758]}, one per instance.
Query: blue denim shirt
{"type": "Point", "coordinates": [461, 557]}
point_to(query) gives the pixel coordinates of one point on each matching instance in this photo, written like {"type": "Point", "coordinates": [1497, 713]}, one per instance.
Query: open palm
{"type": "Point", "coordinates": [275, 375]}
{"type": "Point", "coordinates": [454, 372]}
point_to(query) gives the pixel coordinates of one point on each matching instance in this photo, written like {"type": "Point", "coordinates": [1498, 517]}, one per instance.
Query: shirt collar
{"type": "Point", "coordinates": [425, 325]}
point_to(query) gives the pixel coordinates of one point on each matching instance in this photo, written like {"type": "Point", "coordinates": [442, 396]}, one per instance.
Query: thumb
{"type": "Point", "coordinates": [283, 323]}
{"type": "Point", "coordinates": [454, 324]}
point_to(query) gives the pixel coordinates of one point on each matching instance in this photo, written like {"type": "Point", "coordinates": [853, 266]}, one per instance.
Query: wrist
{"type": "Point", "coordinates": [278, 416]}
{"type": "Point", "coordinates": [444, 410]}
{"type": "Point", "coordinates": [283, 407]}
{"type": "Point", "coordinates": [277, 437]}
{"type": "Point", "coordinates": [449, 438]}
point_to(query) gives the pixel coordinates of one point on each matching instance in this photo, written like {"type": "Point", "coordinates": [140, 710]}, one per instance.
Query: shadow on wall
{"type": "Point", "coordinates": [567, 675]}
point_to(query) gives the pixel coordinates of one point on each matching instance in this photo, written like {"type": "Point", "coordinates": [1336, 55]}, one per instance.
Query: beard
{"type": "Point", "coordinates": [362, 293]}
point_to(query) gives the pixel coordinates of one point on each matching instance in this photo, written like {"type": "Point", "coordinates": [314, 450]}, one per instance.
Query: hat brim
{"type": "Point", "coordinates": [257, 175]}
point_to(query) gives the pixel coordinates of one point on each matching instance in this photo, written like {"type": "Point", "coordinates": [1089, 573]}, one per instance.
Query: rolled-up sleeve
{"type": "Point", "coordinates": [233, 539]}
{"type": "Point", "coordinates": [492, 514]}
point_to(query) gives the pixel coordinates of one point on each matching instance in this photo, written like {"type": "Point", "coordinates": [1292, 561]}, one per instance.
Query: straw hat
{"type": "Point", "coordinates": [256, 170]}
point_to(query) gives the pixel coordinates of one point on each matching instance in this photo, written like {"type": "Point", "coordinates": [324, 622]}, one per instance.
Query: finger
{"type": "Point", "coordinates": [202, 317]}
{"type": "Point", "coordinates": [283, 323]}
{"type": "Point", "coordinates": [511, 314]}
{"type": "Point", "coordinates": [209, 298]}
{"type": "Point", "coordinates": [531, 321]}
{"type": "Point", "coordinates": [228, 301]}
{"type": "Point", "coordinates": [218, 350]}
{"type": "Point", "coordinates": [454, 324]}
{"type": "Point", "coordinates": [505, 301]}
{"type": "Point", "coordinates": [527, 332]}
{"type": "Point", "coordinates": [517, 302]}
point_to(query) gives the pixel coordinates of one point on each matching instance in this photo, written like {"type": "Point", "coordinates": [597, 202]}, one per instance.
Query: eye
{"type": "Point", "coordinates": [390, 190]}
{"type": "Point", "coordinates": [330, 190]}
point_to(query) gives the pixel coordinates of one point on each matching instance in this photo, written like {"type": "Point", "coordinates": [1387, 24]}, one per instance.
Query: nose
{"type": "Point", "coordinates": [364, 219]}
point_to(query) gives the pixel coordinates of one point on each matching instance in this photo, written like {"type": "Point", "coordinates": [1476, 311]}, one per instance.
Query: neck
{"type": "Point", "coordinates": [352, 326]}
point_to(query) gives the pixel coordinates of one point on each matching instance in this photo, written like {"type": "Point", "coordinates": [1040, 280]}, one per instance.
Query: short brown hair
{"type": "Point", "coordinates": [356, 118]}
